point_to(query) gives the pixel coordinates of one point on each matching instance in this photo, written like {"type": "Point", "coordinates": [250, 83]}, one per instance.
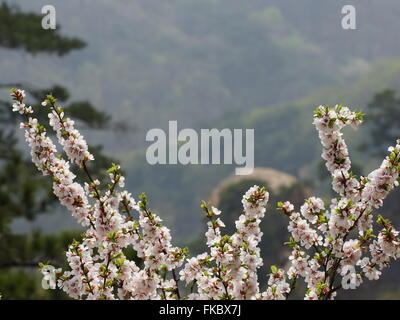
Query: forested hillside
{"type": "Point", "coordinates": [193, 60]}
{"type": "Point", "coordinates": [207, 63]}
{"type": "Point", "coordinates": [292, 147]}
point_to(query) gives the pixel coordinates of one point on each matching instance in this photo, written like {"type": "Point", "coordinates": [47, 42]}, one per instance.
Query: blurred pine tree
{"type": "Point", "coordinates": [23, 191]}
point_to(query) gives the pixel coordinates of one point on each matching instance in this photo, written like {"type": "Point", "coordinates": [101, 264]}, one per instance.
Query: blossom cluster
{"type": "Point", "coordinates": [229, 271]}
{"type": "Point", "coordinates": [333, 245]}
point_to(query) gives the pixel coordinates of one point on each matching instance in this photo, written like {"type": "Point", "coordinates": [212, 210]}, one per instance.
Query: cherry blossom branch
{"type": "Point", "coordinates": [323, 252]}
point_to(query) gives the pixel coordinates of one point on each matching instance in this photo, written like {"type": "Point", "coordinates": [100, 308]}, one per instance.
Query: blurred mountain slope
{"type": "Point", "coordinates": [153, 61]}
{"type": "Point", "coordinates": [285, 139]}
